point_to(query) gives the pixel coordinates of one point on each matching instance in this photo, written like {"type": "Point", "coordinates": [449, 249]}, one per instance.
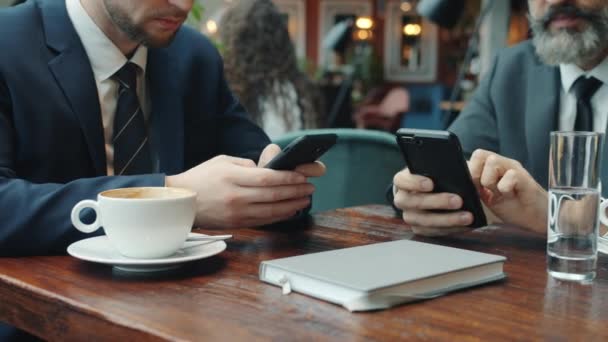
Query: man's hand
{"type": "Point", "coordinates": [509, 191]}
{"type": "Point", "coordinates": [506, 189]}
{"type": "Point", "coordinates": [415, 199]}
{"type": "Point", "coordinates": [235, 192]}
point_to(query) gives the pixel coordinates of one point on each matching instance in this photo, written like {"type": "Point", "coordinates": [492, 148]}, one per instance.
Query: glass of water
{"type": "Point", "coordinates": [574, 199]}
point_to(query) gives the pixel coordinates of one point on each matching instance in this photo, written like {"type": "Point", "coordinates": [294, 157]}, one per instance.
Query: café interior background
{"type": "Point", "coordinates": [394, 47]}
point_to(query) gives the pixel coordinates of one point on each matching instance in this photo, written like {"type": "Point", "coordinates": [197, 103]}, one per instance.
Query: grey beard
{"type": "Point", "coordinates": [569, 46]}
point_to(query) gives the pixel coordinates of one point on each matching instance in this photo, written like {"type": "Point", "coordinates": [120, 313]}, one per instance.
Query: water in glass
{"type": "Point", "coordinates": [572, 233]}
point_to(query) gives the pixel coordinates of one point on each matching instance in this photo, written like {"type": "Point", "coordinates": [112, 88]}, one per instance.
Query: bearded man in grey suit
{"type": "Point", "coordinates": [530, 91]}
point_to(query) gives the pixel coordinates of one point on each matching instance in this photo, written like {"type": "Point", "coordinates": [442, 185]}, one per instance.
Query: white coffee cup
{"type": "Point", "coordinates": [144, 222]}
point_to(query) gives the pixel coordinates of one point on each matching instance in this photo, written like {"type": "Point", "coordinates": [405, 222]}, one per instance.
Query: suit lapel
{"type": "Point", "coordinates": [167, 114]}
{"type": "Point", "coordinates": [72, 71]}
{"type": "Point", "coordinates": [542, 111]}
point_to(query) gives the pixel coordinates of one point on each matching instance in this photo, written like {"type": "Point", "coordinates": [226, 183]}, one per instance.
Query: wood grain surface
{"type": "Point", "coordinates": [60, 297]}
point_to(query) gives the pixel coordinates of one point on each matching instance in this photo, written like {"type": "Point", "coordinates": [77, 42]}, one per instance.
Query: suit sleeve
{"type": "Point", "coordinates": [240, 136]}
{"type": "Point", "coordinates": [35, 218]}
{"type": "Point", "coordinates": [476, 125]}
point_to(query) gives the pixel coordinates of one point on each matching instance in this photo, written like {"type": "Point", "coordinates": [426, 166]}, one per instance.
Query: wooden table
{"type": "Point", "coordinates": [222, 298]}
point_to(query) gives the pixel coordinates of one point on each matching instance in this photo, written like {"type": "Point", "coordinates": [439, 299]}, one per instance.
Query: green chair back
{"type": "Point", "coordinates": [359, 167]}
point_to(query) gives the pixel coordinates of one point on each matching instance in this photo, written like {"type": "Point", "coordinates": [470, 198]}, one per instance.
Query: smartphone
{"type": "Point", "coordinates": [303, 150]}
{"type": "Point", "coordinates": [438, 156]}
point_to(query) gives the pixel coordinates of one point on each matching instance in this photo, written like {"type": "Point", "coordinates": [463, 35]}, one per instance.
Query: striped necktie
{"type": "Point", "coordinates": [130, 139]}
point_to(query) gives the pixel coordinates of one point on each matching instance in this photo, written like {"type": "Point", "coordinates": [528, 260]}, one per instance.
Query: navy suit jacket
{"type": "Point", "coordinates": [51, 135]}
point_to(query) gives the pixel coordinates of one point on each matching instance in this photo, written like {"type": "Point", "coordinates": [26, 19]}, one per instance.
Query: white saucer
{"type": "Point", "coordinates": [99, 249]}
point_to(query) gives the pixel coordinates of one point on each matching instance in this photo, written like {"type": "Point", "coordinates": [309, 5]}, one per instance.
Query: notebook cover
{"type": "Point", "coordinates": [372, 267]}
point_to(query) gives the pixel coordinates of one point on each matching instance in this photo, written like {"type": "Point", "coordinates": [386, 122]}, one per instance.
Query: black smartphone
{"type": "Point", "coordinates": [303, 150]}
{"type": "Point", "coordinates": [438, 156]}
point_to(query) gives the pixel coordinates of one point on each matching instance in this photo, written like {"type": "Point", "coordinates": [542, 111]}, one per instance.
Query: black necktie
{"type": "Point", "coordinates": [584, 88]}
{"type": "Point", "coordinates": [130, 138]}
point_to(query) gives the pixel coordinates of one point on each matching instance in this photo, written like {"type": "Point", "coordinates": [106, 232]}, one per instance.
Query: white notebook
{"type": "Point", "coordinates": [382, 275]}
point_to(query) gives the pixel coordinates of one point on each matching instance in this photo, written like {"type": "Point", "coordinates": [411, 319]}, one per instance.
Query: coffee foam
{"type": "Point", "coordinates": [147, 193]}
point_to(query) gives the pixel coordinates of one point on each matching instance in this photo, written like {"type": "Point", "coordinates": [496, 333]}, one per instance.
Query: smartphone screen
{"type": "Point", "coordinates": [438, 156]}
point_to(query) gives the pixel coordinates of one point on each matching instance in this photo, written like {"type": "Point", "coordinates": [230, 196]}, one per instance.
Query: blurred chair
{"type": "Point", "coordinates": [387, 114]}
{"type": "Point", "coordinates": [425, 111]}
{"type": "Point", "coordinates": [359, 167]}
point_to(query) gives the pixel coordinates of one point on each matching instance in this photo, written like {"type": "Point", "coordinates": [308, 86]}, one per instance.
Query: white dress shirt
{"type": "Point", "coordinates": [599, 102]}
{"type": "Point", "coordinates": [106, 59]}
{"type": "Point", "coordinates": [272, 111]}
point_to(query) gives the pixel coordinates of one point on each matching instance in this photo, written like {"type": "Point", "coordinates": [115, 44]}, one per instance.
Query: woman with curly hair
{"type": "Point", "coordinates": [262, 70]}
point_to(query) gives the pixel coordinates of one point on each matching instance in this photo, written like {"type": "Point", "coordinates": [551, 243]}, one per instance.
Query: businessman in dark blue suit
{"type": "Point", "coordinates": [101, 94]}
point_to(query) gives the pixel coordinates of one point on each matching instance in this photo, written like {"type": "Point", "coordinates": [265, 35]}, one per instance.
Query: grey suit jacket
{"type": "Point", "coordinates": [513, 111]}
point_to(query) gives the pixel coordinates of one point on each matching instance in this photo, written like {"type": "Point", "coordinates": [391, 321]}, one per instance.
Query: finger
{"type": "Point", "coordinates": [274, 193]}
{"type": "Point", "coordinates": [474, 179]}
{"type": "Point", "coordinates": [261, 177]}
{"type": "Point", "coordinates": [444, 231]}
{"type": "Point", "coordinates": [509, 183]}
{"type": "Point", "coordinates": [316, 169]}
{"type": "Point", "coordinates": [404, 180]}
{"type": "Point", "coordinates": [268, 153]}
{"type": "Point", "coordinates": [493, 171]}
{"type": "Point", "coordinates": [421, 218]}
{"type": "Point", "coordinates": [266, 212]}
{"type": "Point", "coordinates": [426, 201]}
{"type": "Point", "coordinates": [477, 163]}
{"type": "Point", "coordinates": [486, 195]}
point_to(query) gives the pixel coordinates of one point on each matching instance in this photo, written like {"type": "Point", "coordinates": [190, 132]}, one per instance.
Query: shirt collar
{"type": "Point", "coordinates": [571, 72]}
{"type": "Point", "coordinates": [105, 57]}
